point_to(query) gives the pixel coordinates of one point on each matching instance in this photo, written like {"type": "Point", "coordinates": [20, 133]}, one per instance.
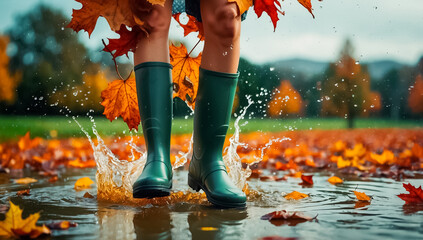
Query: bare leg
{"type": "Point", "coordinates": [222, 28]}
{"type": "Point", "coordinates": [155, 46]}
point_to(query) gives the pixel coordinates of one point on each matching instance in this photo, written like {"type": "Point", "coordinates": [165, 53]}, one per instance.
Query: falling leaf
{"type": "Point", "coordinates": [83, 183]}
{"type": "Point", "coordinates": [415, 195]}
{"type": "Point", "coordinates": [296, 195]}
{"type": "Point", "coordinates": [243, 5]}
{"type": "Point", "coordinates": [271, 7]}
{"type": "Point", "coordinates": [307, 5]}
{"type": "Point", "coordinates": [62, 225]}
{"type": "Point", "coordinates": [306, 179]}
{"type": "Point", "coordinates": [120, 100]}
{"type": "Point", "coordinates": [279, 218]}
{"type": "Point", "coordinates": [335, 180]}
{"type": "Point", "coordinates": [26, 180]}
{"type": "Point", "coordinates": [126, 42]}
{"type": "Point", "coordinates": [185, 73]}
{"type": "Point", "coordinates": [361, 196]}
{"type": "Point", "coordinates": [23, 192]}
{"type": "Point", "coordinates": [116, 12]}
{"type": "Point", "coordinates": [191, 26]}
{"type": "Point", "coordinates": [14, 226]}
{"type": "Point", "coordinates": [88, 195]}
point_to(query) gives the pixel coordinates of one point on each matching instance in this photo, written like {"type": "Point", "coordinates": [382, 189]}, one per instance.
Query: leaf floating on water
{"type": "Point", "coordinates": [17, 227]}
{"type": "Point", "coordinates": [83, 183]}
{"type": "Point", "coordinates": [335, 180]}
{"type": "Point", "coordinates": [23, 192]}
{"type": "Point", "coordinates": [283, 217]}
{"type": "Point", "coordinates": [88, 195]}
{"type": "Point", "coordinates": [62, 225]}
{"type": "Point", "coordinates": [208, 229]}
{"type": "Point", "coordinates": [296, 195]}
{"type": "Point", "coordinates": [361, 196]}
{"type": "Point", "coordinates": [415, 195]}
{"type": "Point", "coordinates": [307, 180]}
{"type": "Point", "coordinates": [26, 180]}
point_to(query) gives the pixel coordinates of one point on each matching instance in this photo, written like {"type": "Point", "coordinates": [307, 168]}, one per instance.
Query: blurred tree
{"type": "Point", "coordinates": [285, 101]}
{"type": "Point", "coordinates": [346, 91]}
{"type": "Point", "coordinates": [8, 82]}
{"type": "Point", "coordinates": [415, 100]}
{"type": "Point", "coordinates": [49, 56]}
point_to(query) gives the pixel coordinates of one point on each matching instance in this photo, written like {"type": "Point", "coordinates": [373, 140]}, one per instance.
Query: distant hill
{"type": "Point", "coordinates": [309, 67]}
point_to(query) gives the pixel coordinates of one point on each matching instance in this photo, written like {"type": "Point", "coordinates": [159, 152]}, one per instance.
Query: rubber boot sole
{"type": "Point", "coordinates": [196, 186]}
{"type": "Point", "coordinates": [151, 192]}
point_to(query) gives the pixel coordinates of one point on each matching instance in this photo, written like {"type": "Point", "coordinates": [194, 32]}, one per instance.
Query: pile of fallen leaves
{"type": "Point", "coordinates": [393, 153]}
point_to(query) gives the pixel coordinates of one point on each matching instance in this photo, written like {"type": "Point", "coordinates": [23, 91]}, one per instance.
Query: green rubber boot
{"type": "Point", "coordinates": [213, 108]}
{"type": "Point", "coordinates": [154, 90]}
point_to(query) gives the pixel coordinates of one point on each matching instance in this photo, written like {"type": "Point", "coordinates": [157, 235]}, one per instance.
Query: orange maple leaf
{"type": "Point", "coordinates": [116, 12]}
{"type": "Point", "coordinates": [120, 99]}
{"type": "Point", "coordinates": [361, 196]}
{"type": "Point", "coordinates": [243, 5]}
{"type": "Point", "coordinates": [83, 183]}
{"type": "Point", "coordinates": [335, 180]}
{"type": "Point", "coordinates": [185, 73]}
{"type": "Point", "coordinates": [296, 195]}
{"type": "Point", "coordinates": [191, 26]}
{"type": "Point", "coordinates": [307, 5]}
{"type": "Point", "coordinates": [15, 226]}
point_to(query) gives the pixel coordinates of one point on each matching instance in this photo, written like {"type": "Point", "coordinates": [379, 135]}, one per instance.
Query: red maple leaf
{"type": "Point", "coordinates": [415, 195]}
{"type": "Point", "coordinates": [279, 218]}
{"type": "Point", "coordinates": [271, 7]}
{"type": "Point", "coordinates": [307, 5]}
{"type": "Point", "coordinates": [307, 180]}
{"type": "Point", "coordinates": [125, 43]}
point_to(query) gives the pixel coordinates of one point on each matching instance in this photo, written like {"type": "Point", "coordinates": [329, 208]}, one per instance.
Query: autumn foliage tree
{"type": "Point", "coordinates": [285, 101]}
{"type": "Point", "coordinates": [8, 82]}
{"type": "Point", "coordinates": [346, 91]}
{"type": "Point", "coordinates": [415, 99]}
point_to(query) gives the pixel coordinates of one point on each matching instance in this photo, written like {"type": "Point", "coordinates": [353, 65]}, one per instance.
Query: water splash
{"type": "Point", "coordinates": [115, 177]}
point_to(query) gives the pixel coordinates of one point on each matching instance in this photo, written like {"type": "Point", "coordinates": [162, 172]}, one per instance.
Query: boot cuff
{"type": "Point", "coordinates": [153, 64]}
{"type": "Point", "coordinates": [220, 74]}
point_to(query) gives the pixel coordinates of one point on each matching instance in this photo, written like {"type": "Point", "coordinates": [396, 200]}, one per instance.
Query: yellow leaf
{"type": "Point", "coordinates": [296, 195]}
{"type": "Point", "coordinates": [341, 163]}
{"type": "Point", "coordinates": [207, 229]}
{"type": "Point", "coordinates": [357, 151]}
{"type": "Point", "coordinates": [335, 180]}
{"type": "Point", "coordinates": [243, 5]}
{"type": "Point", "coordinates": [386, 157]}
{"type": "Point", "coordinates": [25, 180]}
{"type": "Point", "coordinates": [14, 226]}
{"type": "Point", "coordinates": [361, 196]}
{"type": "Point", "coordinates": [83, 183]}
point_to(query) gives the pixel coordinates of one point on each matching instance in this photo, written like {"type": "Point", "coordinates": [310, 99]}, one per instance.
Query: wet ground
{"type": "Point", "coordinates": [339, 214]}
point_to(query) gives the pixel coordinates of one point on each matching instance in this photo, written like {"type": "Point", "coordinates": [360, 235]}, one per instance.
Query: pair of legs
{"type": "Point", "coordinates": [217, 84]}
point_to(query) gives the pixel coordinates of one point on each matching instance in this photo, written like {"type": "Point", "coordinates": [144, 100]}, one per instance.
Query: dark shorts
{"type": "Point", "coordinates": [191, 7]}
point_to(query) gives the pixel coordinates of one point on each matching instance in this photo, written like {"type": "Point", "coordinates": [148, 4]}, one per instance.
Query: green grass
{"type": "Point", "coordinates": [11, 127]}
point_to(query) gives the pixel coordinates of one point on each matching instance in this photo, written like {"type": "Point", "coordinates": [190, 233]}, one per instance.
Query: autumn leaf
{"type": "Point", "coordinates": [361, 196]}
{"type": "Point", "coordinates": [14, 226]}
{"type": "Point", "coordinates": [386, 157]}
{"type": "Point", "coordinates": [208, 229]}
{"type": "Point", "coordinates": [279, 218]}
{"type": "Point", "coordinates": [62, 225]}
{"type": "Point", "coordinates": [335, 180]}
{"type": "Point", "coordinates": [307, 5]}
{"type": "Point", "coordinates": [185, 73]}
{"type": "Point", "coordinates": [415, 195]}
{"type": "Point", "coordinates": [83, 183]}
{"type": "Point", "coordinates": [120, 100]}
{"type": "Point", "coordinates": [116, 12]}
{"type": "Point", "coordinates": [88, 195]}
{"type": "Point", "coordinates": [26, 180]}
{"type": "Point", "coordinates": [23, 192]}
{"type": "Point", "coordinates": [126, 42]}
{"type": "Point", "coordinates": [243, 5]}
{"type": "Point", "coordinates": [271, 7]}
{"type": "Point", "coordinates": [191, 26]}
{"type": "Point", "coordinates": [296, 195]}
{"type": "Point", "coordinates": [306, 179]}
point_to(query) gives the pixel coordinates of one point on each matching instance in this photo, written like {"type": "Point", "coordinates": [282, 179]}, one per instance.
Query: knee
{"type": "Point", "coordinates": [224, 22]}
{"type": "Point", "coordinates": [156, 18]}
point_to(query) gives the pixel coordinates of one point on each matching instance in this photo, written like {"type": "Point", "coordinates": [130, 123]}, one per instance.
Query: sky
{"type": "Point", "coordinates": [379, 29]}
